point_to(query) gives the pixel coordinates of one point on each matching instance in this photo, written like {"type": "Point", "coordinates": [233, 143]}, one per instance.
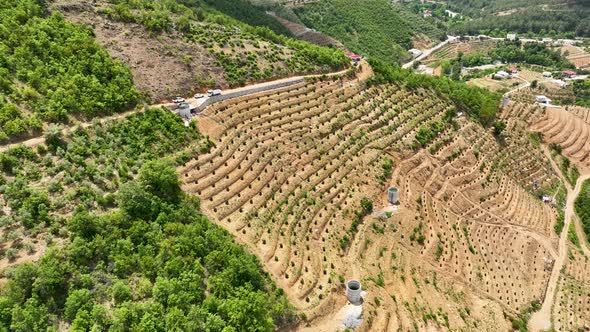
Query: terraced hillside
{"type": "Point", "coordinates": [451, 50]}
{"type": "Point", "coordinates": [572, 305]}
{"type": "Point", "coordinates": [179, 47]}
{"type": "Point", "coordinates": [569, 131]}
{"type": "Point", "coordinates": [296, 172]}
{"type": "Point", "coordinates": [581, 112]}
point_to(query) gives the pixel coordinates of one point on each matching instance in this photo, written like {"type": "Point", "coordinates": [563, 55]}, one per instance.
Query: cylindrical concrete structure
{"type": "Point", "coordinates": [353, 291]}
{"type": "Point", "coordinates": [392, 195]}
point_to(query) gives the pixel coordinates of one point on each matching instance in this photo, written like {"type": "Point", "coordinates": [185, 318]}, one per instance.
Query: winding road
{"type": "Point", "coordinates": [363, 74]}
{"type": "Point", "coordinates": [541, 320]}
{"type": "Point", "coordinates": [429, 51]}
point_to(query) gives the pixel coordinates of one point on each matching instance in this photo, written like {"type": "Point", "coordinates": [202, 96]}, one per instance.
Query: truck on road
{"type": "Point", "coordinates": [213, 93]}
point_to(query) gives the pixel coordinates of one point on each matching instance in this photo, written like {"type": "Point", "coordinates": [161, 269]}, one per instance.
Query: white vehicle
{"type": "Point", "coordinates": [178, 100]}
{"type": "Point", "coordinates": [212, 93]}
{"type": "Point", "coordinates": [199, 96]}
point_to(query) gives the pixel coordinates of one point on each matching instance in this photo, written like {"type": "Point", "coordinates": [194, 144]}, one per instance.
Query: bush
{"type": "Point", "coordinates": [582, 208]}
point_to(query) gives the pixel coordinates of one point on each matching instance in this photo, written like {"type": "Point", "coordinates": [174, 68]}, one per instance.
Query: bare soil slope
{"type": "Point", "coordinates": [467, 243]}
{"type": "Point", "coordinates": [163, 66]}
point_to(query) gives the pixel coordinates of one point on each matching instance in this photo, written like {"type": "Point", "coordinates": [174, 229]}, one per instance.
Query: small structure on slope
{"type": "Point", "coordinates": [353, 291]}
{"type": "Point", "coordinates": [392, 195]}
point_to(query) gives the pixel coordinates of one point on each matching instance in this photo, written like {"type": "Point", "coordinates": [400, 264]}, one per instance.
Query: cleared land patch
{"type": "Point", "coordinates": [292, 166]}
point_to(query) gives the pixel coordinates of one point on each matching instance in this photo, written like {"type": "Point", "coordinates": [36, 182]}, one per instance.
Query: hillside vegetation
{"type": "Point", "coordinates": [50, 69]}
{"type": "Point", "coordinates": [480, 104]}
{"type": "Point", "coordinates": [156, 265]}
{"type": "Point", "coordinates": [375, 28]}
{"type": "Point", "coordinates": [545, 18]}
{"type": "Point", "coordinates": [582, 206]}
{"type": "Point", "coordinates": [242, 39]}
{"type": "Point", "coordinates": [138, 253]}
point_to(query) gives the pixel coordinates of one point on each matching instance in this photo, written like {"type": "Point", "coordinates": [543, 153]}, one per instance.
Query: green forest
{"type": "Point", "coordinates": [157, 264]}
{"type": "Point", "coordinates": [50, 69]}
{"type": "Point", "coordinates": [507, 52]}
{"type": "Point", "coordinates": [582, 93]}
{"type": "Point", "coordinates": [582, 207]}
{"type": "Point", "coordinates": [373, 28]}
{"type": "Point", "coordinates": [565, 19]}
{"type": "Point", "coordinates": [139, 255]}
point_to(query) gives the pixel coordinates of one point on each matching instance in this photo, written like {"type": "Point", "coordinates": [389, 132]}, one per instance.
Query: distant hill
{"type": "Point", "coordinates": [545, 17]}
{"type": "Point", "coordinates": [375, 28]}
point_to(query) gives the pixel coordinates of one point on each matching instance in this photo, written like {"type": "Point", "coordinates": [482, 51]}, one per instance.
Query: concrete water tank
{"type": "Point", "coordinates": [392, 195]}
{"type": "Point", "coordinates": [353, 291]}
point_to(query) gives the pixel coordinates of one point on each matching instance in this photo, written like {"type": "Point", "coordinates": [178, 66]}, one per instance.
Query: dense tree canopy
{"type": "Point", "coordinates": [162, 269]}
{"type": "Point", "coordinates": [531, 53]}
{"type": "Point", "coordinates": [582, 92]}
{"type": "Point", "coordinates": [545, 18]}
{"type": "Point", "coordinates": [582, 207]}
{"type": "Point", "coordinates": [54, 68]}
{"type": "Point", "coordinates": [375, 28]}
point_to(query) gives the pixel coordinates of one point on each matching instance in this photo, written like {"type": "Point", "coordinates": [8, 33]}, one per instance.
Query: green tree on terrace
{"type": "Point", "coordinates": [582, 207]}
{"type": "Point", "coordinates": [479, 103]}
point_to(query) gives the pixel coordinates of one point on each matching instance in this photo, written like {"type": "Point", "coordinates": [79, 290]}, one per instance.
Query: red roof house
{"type": "Point", "coordinates": [569, 73]}
{"type": "Point", "coordinates": [353, 56]}
{"type": "Point", "coordinates": [512, 69]}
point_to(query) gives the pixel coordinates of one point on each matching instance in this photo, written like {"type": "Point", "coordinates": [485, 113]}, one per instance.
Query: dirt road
{"type": "Point", "coordinates": [84, 124]}
{"type": "Point", "coordinates": [541, 320]}
{"type": "Point", "coordinates": [365, 72]}
{"type": "Point", "coordinates": [428, 52]}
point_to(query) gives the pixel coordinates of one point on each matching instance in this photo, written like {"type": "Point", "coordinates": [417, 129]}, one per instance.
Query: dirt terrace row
{"type": "Point", "coordinates": [481, 223]}
{"type": "Point", "coordinates": [291, 167]}
{"type": "Point", "coordinates": [571, 310]}
{"type": "Point", "coordinates": [569, 131]}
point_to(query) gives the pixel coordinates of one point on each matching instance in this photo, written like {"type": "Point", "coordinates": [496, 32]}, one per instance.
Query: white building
{"type": "Point", "coordinates": [415, 52]}
{"type": "Point", "coordinates": [511, 36]}
{"type": "Point", "coordinates": [451, 14]}
{"type": "Point", "coordinates": [542, 100]}
{"type": "Point", "coordinates": [560, 83]}
{"type": "Point", "coordinates": [547, 74]}
{"type": "Point", "coordinates": [425, 70]}
{"type": "Point", "coordinates": [502, 75]}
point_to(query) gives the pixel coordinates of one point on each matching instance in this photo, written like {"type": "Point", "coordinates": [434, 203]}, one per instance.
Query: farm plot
{"type": "Point", "coordinates": [480, 224]}
{"type": "Point", "coordinates": [290, 166]}
{"type": "Point", "coordinates": [293, 169]}
{"type": "Point", "coordinates": [577, 56]}
{"type": "Point", "coordinates": [569, 131]}
{"type": "Point", "coordinates": [581, 112]}
{"type": "Point", "coordinates": [571, 310]}
{"type": "Point", "coordinates": [522, 159]}
{"type": "Point", "coordinates": [451, 50]}
{"type": "Point", "coordinates": [494, 84]}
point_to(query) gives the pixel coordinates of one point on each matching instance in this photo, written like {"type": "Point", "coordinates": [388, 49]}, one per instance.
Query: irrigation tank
{"type": "Point", "coordinates": [392, 195]}
{"type": "Point", "coordinates": [353, 291]}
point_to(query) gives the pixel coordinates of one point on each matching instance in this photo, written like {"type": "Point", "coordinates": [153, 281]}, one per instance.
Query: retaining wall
{"type": "Point", "coordinates": [245, 92]}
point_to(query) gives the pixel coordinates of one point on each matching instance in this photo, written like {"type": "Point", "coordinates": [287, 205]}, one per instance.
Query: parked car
{"type": "Point", "coordinates": [199, 96]}
{"type": "Point", "coordinates": [178, 100]}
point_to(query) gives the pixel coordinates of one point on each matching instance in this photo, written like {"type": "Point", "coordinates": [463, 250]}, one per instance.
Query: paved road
{"type": "Point", "coordinates": [429, 51]}
{"type": "Point", "coordinates": [366, 70]}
